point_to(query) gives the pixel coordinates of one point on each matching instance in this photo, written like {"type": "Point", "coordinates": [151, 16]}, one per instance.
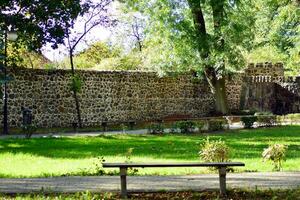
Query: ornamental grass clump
{"type": "Point", "coordinates": [276, 154]}
{"type": "Point", "coordinates": [214, 151]}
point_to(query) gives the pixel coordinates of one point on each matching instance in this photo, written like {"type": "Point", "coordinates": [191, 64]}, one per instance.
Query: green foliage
{"type": "Point", "coordinates": [98, 166]}
{"type": "Point", "coordinates": [128, 155]}
{"type": "Point", "coordinates": [40, 21]}
{"type": "Point", "coordinates": [200, 125]}
{"type": "Point", "coordinates": [131, 61]}
{"type": "Point", "coordinates": [20, 56]}
{"type": "Point", "coordinates": [293, 118]}
{"type": "Point", "coordinates": [266, 118]}
{"type": "Point", "coordinates": [29, 130]}
{"type": "Point", "coordinates": [185, 126]}
{"type": "Point", "coordinates": [156, 128]}
{"type": "Point", "coordinates": [101, 56]}
{"type": "Point", "coordinates": [248, 121]}
{"type": "Point", "coordinates": [277, 33]}
{"type": "Point", "coordinates": [216, 124]}
{"type": "Point", "coordinates": [76, 83]}
{"type": "Point", "coordinates": [276, 154]}
{"type": "Point", "coordinates": [95, 55]}
{"type": "Point", "coordinates": [175, 44]}
{"type": "Point", "coordinates": [214, 151]}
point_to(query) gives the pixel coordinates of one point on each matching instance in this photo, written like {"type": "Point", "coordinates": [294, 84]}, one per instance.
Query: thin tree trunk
{"type": "Point", "coordinates": [77, 104]}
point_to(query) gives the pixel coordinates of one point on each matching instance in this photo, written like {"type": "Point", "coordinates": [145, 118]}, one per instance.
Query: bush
{"type": "Point", "coordinates": [293, 117]}
{"type": "Point", "coordinates": [29, 130]}
{"type": "Point", "coordinates": [156, 128]}
{"type": "Point", "coordinates": [248, 121]}
{"type": "Point", "coordinates": [76, 83]}
{"type": "Point", "coordinates": [214, 151]}
{"type": "Point", "coordinates": [276, 154]}
{"type": "Point", "coordinates": [200, 125]}
{"type": "Point", "coordinates": [185, 126]}
{"type": "Point", "coordinates": [266, 119]}
{"type": "Point", "coordinates": [216, 124]}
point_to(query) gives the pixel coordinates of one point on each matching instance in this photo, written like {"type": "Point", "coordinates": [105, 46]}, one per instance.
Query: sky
{"type": "Point", "coordinates": [97, 34]}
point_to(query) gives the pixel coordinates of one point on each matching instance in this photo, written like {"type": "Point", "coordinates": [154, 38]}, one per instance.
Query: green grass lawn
{"type": "Point", "coordinates": [40, 157]}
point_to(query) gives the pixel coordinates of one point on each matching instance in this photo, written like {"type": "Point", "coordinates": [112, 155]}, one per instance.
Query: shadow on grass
{"type": "Point", "coordinates": [244, 143]}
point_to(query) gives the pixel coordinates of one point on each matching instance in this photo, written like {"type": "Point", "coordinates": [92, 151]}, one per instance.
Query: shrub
{"type": "Point", "coordinates": [185, 126]}
{"type": "Point", "coordinates": [266, 119]}
{"type": "Point", "coordinates": [200, 125]}
{"type": "Point", "coordinates": [280, 119]}
{"type": "Point", "coordinates": [76, 83]}
{"type": "Point", "coordinates": [29, 130]}
{"type": "Point", "coordinates": [156, 128]}
{"type": "Point", "coordinates": [248, 121]}
{"type": "Point", "coordinates": [214, 151]}
{"type": "Point", "coordinates": [276, 154]}
{"type": "Point", "coordinates": [128, 154]}
{"type": "Point", "coordinates": [293, 117]}
{"type": "Point", "coordinates": [216, 124]}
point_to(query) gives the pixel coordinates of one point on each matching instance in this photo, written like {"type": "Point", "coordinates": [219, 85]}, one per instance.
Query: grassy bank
{"type": "Point", "coordinates": [40, 157]}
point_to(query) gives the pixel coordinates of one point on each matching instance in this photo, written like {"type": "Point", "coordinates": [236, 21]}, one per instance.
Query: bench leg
{"type": "Point", "coordinates": [222, 179]}
{"type": "Point", "coordinates": [123, 173]}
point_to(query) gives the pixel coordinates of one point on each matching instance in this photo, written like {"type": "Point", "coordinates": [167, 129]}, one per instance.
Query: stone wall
{"type": "Point", "coordinates": [105, 96]}
{"type": "Point", "coordinates": [142, 96]}
{"type": "Point", "coordinates": [267, 89]}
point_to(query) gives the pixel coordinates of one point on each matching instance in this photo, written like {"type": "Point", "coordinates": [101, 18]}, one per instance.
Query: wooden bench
{"type": "Point", "coordinates": [124, 166]}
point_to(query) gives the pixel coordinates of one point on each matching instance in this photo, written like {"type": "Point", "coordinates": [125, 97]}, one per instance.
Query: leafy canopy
{"type": "Point", "coordinates": [174, 38]}
{"type": "Point", "coordinates": [40, 21]}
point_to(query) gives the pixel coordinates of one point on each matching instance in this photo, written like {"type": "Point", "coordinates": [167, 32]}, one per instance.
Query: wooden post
{"type": "Point", "coordinates": [222, 179]}
{"type": "Point", "coordinates": [123, 173]}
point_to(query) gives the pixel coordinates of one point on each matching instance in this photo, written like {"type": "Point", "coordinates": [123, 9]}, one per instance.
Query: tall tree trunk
{"type": "Point", "coordinates": [77, 104]}
{"type": "Point", "coordinates": [216, 84]}
{"type": "Point", "coordinates": [220, 96]}
{"type": "Point", "coordinates": [218, 88]}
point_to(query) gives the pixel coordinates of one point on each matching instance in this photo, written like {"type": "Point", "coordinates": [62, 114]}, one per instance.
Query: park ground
{"type": "Point", "coordinates": [64, 156]}
{"type": "Point", "coordinates": [208, 195]}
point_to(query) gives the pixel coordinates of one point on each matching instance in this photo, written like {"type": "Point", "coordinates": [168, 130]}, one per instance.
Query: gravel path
{"type": "Point", "coordinates": [150, 183]}
{"type": "Point", "coordinates": [94, 134]}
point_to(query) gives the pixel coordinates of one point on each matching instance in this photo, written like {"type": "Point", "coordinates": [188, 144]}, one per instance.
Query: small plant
{"type": "Point", "coordinates": [266, 119]}
{"type": "Point", "coordinates": [185, 126]}
{"type": "Point", "coordinates": [216, 124]}
{"type": "Point", "coordinates": [99, 170]}
{"type": "Point", "coordinates": [248, 121]}
{"type": "Point", "coordinates": [29, 130]}
{"type": "Point", "coordinates": [124, 128]}
{"type": "Point", "coordinates": [276, 154]}
{"type": "Point", "coordinates": [214, 151]}
{"type": "Point", "coordinates": [128, 154]}
{"type": "Point", "coordinates": [293, 118]}
{"type": "Point", "coordinates": [200, 125]}
{"type": "Point", "coordinates": [156, 128]}
{"type": "Point", "coordinates": [76, 83]}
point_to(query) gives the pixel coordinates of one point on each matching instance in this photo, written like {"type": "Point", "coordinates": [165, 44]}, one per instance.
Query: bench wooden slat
{"type": "Point", "coordinates": [221, 164]}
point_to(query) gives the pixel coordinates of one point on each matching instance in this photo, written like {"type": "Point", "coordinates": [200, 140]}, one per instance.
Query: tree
{"type": "Point", "coordinates": [40, 21]}
{"type": "Point", "coordinates": [96, 15]}
{"type": "Point", "coordinates": [204, 36]}
{"type": "Point", "coordinates": [277, 35]}
{"type": "Point", "coordinates": [20, 56]}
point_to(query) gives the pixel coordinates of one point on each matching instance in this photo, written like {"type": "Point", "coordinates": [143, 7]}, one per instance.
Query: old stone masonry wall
{"type": "Point", "coordinates": [115, 96]}
{"type": "Point", "coordinates": [105, 96]}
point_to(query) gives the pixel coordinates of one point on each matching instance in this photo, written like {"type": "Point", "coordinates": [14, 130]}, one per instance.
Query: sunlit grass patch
{"type": "Point", "coordinates": [40, 157]}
